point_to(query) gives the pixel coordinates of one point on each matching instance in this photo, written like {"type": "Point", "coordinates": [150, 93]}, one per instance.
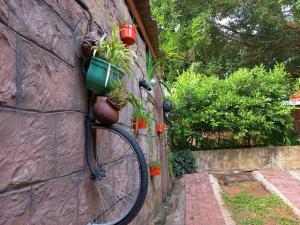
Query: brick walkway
{"type": "Point", "coordinates": [201, 206]}
{"type": "Point", "coordinates": [285, 183]}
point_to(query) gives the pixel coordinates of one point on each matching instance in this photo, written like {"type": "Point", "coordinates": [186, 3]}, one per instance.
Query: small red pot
{"type": "Point", "coordinates": [154, 170]}
{"type": "Point", "coordinates": [140, 123]}
{"type": "Point", "coordinates": [127, 33]}
{"type": "Point", "coordinates": [160, 128]}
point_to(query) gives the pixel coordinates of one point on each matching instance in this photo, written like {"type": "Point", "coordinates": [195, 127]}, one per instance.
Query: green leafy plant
{"type": "Point", "coordinates": [184, 162]}
{"type": "Point", "coordinates": [246, 109]}
{"type": "Point", "coordinates": [120, 96]}
{"type": "Point", "coordinates": [154, 164]}
{"type": "Point", "coordinates": [139, 111]}
{"type": "Point", "coordinates": [115, 52]}
{"type": "Point", "coordinates": [170, 163]}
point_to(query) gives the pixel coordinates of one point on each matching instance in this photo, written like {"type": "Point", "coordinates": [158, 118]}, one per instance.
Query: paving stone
{"type": "Point", "coordinates": [201, 206]}
{"type": "Point", "coordinates": [286, 184]}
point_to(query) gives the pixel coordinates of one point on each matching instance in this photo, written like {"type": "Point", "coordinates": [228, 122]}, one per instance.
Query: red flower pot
{"type": "Point", "coordinates": [127, 33]}
{"type": "Point", "coordinates": [154, 170]}
{"type": "Point", "coordinates": [140, 123]}
{"type": "Point", "coordinates": [160, 128]}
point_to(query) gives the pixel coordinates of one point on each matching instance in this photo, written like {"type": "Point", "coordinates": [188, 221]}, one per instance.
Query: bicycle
{"type": "Point", "coordinates": [118, 172]}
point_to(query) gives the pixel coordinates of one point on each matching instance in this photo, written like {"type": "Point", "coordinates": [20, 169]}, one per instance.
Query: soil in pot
{"type": "Point", "coordinates": [105, 111]}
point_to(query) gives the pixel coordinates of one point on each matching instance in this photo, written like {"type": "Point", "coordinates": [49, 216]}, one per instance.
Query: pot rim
{"type": "Point", "coordinates": [113, 104]}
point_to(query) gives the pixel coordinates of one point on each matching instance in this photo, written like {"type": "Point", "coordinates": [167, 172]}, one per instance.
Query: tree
{"type": "Point", "coordinates": [216, 37]}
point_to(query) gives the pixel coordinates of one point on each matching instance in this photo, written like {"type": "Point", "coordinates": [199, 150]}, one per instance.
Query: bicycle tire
{"type": "Point", "coordinates": [143, 172]}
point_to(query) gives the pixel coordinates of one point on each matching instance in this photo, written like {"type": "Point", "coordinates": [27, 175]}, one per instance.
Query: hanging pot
{"type": "Point", "coordinates": [140, 123]}
{"type": "Point", "coordinates": [106, 112]}
{"type": "Point", "coordinates": [154, 170]}
{"type": "Point", "coordinates": [160, 128]}
{"type": "Point", "coordinates": [101, 75]}
{"type": "Point", "coordinates": [127, 33]}
{"type": "Point", "coordinates": [167, 105]}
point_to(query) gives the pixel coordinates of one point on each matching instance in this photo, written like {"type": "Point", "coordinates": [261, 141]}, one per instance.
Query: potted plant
{"type": "Point", "coordinates": [106, 109]}
{"type": "Point", "coordinates": [154, 169]}
{"type": "Point", "coordinates": [110, 62]}
{"type": "Point", "coordinates": [139, 116]}
{"type": "Point", "coordinates": [160, 128]}
{"type": "Point", "coordinates": [127, 33]}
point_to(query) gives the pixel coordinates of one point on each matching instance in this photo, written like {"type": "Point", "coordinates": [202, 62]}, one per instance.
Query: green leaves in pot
{"type": "Point", "coordinates": [115, 52]}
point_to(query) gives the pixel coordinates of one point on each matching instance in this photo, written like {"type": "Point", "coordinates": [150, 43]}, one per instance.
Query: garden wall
{"type": "Point", "coordinates": [43, 173]}
{"type": "Point", "coordinates": [247, 159]}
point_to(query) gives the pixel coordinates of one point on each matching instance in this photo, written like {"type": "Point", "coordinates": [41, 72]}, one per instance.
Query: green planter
{"type": "Point", "coordinates": [101, 75]}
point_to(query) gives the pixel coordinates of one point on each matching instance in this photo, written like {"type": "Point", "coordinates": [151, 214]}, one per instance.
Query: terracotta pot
{"type": "Point", "coordinates": [160, 128]}
{"type": "Point", "coordinates": [106, 112]}
{"type": "Point", "coordinates": [154, 170]}
{"type": "Point", "coordinates": [140, 123]}
{"type": "Point", "coordinates": [128, 33]}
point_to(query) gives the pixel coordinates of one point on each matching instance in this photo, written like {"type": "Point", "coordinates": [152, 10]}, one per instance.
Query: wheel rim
{"type": "Point", "coordinates": [117, 184]}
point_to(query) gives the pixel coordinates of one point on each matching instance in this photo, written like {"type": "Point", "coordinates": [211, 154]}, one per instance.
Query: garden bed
{"type": "Point", "coordinates": [250, 203]}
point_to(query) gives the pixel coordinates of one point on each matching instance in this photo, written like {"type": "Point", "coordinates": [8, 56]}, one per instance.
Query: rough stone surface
{"type": "Point", "coordinates": [3, 11]}
{"type": "Point", "coordinates": [46, 82]}
{"type": "Point", "coordinates": [34, 20]}
{"type": "Point", "coordinates": [7, 65]}
{"type": "Point", "coordinates": [15, 207]}
{"type": "Point", "coordinates": [42, 137]}
{"type": "Point", "coordinates": [286, 157]}
{"type": "Point", "coordinates": [55, 202]}
{"type": "Point", "coordinates": [70, 11]}
{"type": "Point", "coordinates": [27, 143]}
{"type": "Point", "coordinates": [35, 147]}
{"type": "Point", "coordinates": [70, 153]}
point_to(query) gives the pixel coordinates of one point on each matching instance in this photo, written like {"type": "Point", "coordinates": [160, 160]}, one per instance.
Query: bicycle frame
{"type": "Point", "coordinates": [90, 132]}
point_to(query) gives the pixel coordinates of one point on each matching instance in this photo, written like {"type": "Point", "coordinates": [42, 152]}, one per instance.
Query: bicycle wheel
{"type": "Point", "coordinates": [120, 183]}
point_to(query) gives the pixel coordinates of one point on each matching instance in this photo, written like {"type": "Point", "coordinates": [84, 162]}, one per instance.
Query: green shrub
{"type": "Point", "coordinates": [248, 106]}
{"type": "Point", "coordinates": [184, 162]}
{"type": "Point", "coordinates": [170, 163]}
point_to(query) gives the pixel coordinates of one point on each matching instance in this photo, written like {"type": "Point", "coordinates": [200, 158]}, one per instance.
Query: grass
{"type": "Point", "coordinates": [251, 210]}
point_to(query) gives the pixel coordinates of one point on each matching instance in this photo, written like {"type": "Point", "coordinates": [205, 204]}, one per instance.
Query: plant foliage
{"type": "Point", "coordinates": [219, 36]}
{"type": "Point", "coordinates": [115, 52]}
{"type": "Point", "coordinates": [183, 162]}
{"type": "Point", "coordinates": [246, 109]}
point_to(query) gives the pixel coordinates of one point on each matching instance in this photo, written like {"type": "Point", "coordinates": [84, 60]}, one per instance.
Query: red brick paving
{"type": "Point", "coordinates": [201, 206]}
{"type": "Point", "coordinates": [285, 183]}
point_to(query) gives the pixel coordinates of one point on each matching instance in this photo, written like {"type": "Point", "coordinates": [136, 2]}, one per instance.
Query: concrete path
{"type": "Point", "coordinates": [282, 183]}
{"type": "Point", "coordinates": [201, 205]}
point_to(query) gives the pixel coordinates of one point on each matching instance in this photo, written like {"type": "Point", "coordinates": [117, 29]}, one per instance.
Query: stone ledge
{"type": "Point", "coordinates": [246, 159]}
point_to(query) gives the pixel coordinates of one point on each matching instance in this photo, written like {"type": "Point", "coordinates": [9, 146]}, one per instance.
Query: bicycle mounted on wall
{"type": "Point", "coordinates": [119, 176]}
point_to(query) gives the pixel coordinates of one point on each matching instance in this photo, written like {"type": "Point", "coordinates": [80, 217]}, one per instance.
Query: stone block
{"type": "Point", "coordinates": [46, 82]}
{"type": "Point", "coordinates": [70, 11]}
{"type": "Point", "coordinates": [27, 146]}
{"type": "Point", "coordinates": [3, 11]}
{"type": "Point", "coordinates": [35, 21]}
{"type": "Point", "coordinates": [36, 147]}
{"type": "Point", "coordinates": [15, 207]}
{"type": "Point", "coordinates": [7, 64]}
{"type": "Point", "coordinates": [70, 153]}
{"type": "Point", "coordinates": [55, 202]}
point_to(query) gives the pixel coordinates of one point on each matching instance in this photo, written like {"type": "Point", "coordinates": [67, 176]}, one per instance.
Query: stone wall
{"type": "Point", "coordinates": [42, 161]}
{"type": "Point", "coordinates": [247, 159]}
